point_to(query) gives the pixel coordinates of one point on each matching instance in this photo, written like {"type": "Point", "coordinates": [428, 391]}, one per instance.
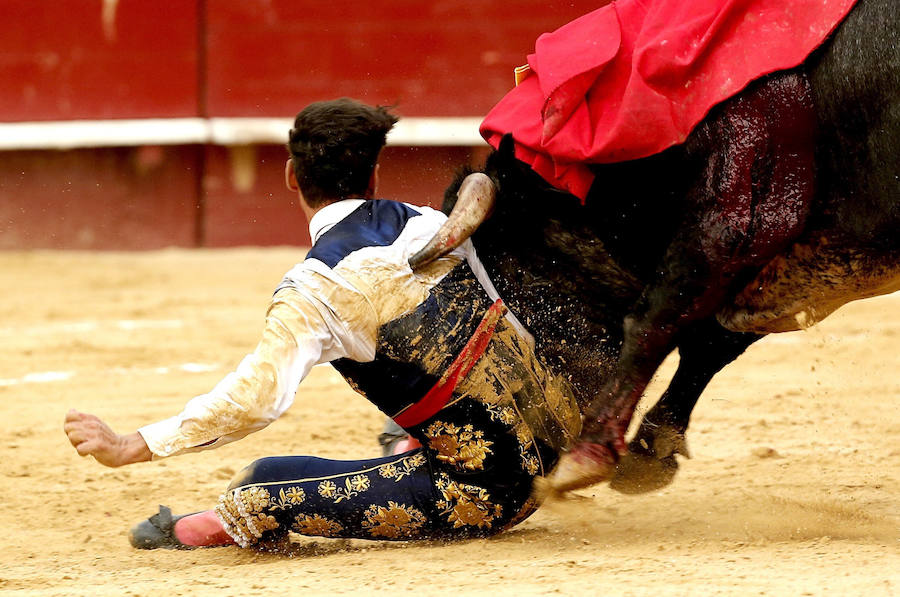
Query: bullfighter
{"type": "Point", "coordinates": [436, 350]}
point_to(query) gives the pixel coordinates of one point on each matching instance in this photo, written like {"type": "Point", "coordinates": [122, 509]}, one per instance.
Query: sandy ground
{"type": "Point", "coordinates": [793, 489]}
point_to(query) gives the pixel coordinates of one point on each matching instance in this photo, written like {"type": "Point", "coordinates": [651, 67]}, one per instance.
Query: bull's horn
{"type": "Point", "coordinates": [474, 204]}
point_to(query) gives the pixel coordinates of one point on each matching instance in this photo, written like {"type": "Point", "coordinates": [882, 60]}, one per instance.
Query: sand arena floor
{"type": "Point", "coordinates": [793, 489]}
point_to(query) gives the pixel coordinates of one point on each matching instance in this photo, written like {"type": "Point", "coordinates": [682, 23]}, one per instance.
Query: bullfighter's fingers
{"type": "Point", "coordinates": [84, 422]}
{"type": "Point", "coordinates": [72, 424]}
{"type": "Point", "coordinates": [79, 427]}
{"type": "Point", "coordinates": [77, 435]}
{"type": "Point", "coordinates": [82, 430]}
{"type": "Point", "coordinates": [73, 415]}
{"type": "Point", "coordinates": [86, 448]}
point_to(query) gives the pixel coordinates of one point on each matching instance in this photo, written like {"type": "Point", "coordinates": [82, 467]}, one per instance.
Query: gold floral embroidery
{"type": "Point", "coordinates": [359, 483]}
{"type": "Point", "coordinates": [504, 414]}
{"type": "Point", "coordinates": [292, 497]}
{"type": "Point", "coordinates": [316, 525]}
{"type": "Point", "coordinates": [524, 435]}
{"type": "Point", "coordinates": [466, 505]}
{"type": "Point", "coordinates": [394, 522]}
{"type": "Point", "coordinates": [327, 489]}
{"type": "Point", "coordinates": [352, 487]}
{"type": "Point", "coordinates": [463, 447]}
{"type": "Point", "coordinates": [402, 468]}
{"type": "Point", "coordinates": [530, 464]}
{"type": "Point", "coordinates": [261, 522]}
{"type": "Point", "coordinates": [295, 494]}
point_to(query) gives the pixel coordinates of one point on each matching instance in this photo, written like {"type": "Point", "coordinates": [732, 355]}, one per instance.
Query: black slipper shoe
{"type": "Point", "coordinates": [158, 532]}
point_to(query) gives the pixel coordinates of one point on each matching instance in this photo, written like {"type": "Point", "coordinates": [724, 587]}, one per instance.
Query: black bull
{"type": "Point", "coordinates": [782, 205]}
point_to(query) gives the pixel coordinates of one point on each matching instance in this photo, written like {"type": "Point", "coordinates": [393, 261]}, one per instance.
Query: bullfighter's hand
{"type": "Point", "coordinates": [92, 437]}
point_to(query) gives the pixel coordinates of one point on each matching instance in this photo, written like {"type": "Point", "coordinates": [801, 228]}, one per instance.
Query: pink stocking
{"type": "Point", "coordinates": [202, 529]}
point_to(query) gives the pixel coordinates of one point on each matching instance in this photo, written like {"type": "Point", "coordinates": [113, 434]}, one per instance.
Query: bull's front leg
{"type": "Point", "coordinates": [650, 462]}
{"type": "Point", "coordinates": [650, 334]}
{"type": "Point", "coordinates": [753, 179]}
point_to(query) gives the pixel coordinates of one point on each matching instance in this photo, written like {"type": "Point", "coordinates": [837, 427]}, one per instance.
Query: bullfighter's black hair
{"type": "Point", "coordinates": [334, 147]}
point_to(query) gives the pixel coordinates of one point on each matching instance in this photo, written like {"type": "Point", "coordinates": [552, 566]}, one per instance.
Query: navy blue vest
{"type": "Point", "coordinates": [411, 352]}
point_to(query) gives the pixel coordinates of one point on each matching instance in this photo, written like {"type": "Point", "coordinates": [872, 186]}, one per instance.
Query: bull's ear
{"type": "Point", "coordinates": [501, 164]}
{"type": "Point", "coordinates": [504, 159]}
{"type": "Point", "coordinates": [506, 164]}
{"type": "Point", "coordinates": [507, 147]}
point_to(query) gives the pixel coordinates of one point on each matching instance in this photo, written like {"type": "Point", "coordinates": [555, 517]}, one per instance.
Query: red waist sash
{"type": "Point", "coordinates": [438, 396]}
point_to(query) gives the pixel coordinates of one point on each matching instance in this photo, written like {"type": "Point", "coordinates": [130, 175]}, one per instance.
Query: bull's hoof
{"type": "Point", "coordinates": [650, 462]}
{"type": "Point", "coordinates": [587, 464]}
{"type": "Point", "coordinates": [642, 473]}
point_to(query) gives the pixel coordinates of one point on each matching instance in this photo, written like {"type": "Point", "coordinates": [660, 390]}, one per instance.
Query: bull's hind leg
{"type": "Point", "coordinates": [650, 463]}
{"type": "Point", "coordinates": [750, 197]}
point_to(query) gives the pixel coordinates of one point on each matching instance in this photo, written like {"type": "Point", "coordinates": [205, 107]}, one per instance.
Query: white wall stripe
{"type": "Point", "coordinates": [71, 134]}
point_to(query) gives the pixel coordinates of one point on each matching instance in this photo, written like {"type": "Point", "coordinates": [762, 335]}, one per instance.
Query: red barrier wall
{"type": "Point", "coordinates": [112, 198]}
{"type": "Point", "coordinates": [70, 59]}
{"type": "Point", "coordinates": [270, 57]}
{"type": "Point", "coordinates": [112, 59]}
{"type": "Point", "coordinates": [247, 202]}
{"type": "Point", "coordinates": [74, 59]}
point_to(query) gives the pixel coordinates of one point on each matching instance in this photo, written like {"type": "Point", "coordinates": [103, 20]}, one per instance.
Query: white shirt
{"type": "Point", "coordinates": [318, 314]}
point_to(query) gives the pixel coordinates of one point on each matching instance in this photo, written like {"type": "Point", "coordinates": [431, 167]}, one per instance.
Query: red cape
{"type": "Point", "coordinates": [632, 78]}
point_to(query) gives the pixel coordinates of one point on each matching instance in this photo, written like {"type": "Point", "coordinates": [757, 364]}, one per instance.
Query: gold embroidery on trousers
{"type": "Point", "coordinates": [316, 525]}
{"type": "Point", "coordinates": [530, 464]}
{"type": "Point", "coordinates": [509, 417]}
{"type": "Point", "coordinates": [504, 414]}
{"type": "Point", "coordinates": [292, 497]}
{"type": "Point", "coordinates": [466, 505]}
{"type": "Point", "coordinates": [462, 447]}
{"type": "Point", "coordinates": [517, 391]}
{"type": "Point", "coordinates": [396, 521]}
{"type": "Point", "coordinates": [401, 468]}
{"type": "Point", "coordinates": [352, 487]}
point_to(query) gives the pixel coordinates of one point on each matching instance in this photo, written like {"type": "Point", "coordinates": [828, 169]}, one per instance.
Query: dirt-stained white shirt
{"type": "Point", "coordinates": [324, 309]}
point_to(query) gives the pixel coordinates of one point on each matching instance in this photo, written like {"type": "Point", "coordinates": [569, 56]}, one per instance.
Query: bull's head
{"type": "Point", "coordinates": [475, 200]}
{"type": "Point", "coordinates": [476, 197]}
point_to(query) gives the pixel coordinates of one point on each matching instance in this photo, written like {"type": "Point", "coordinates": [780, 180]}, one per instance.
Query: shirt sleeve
{"type": "Point", "coordinates": [301, 330]}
